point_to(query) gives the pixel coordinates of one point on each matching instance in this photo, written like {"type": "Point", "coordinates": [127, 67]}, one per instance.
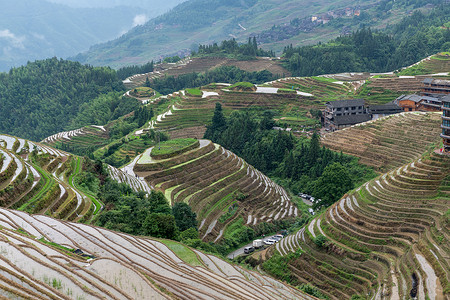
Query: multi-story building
{"type": "Point", "coordinates": [445, 135]}
{"type": "Point", "coordinates": [432, 87]}
{"type": "Point", "coordinates": [344, 113]}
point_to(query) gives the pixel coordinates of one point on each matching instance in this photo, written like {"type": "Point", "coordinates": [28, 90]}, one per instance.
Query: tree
{"type": "Point", "coordinates": [158, 203]}
{"type": "Point", "coordinates": [160, 225]}
{"type": "Point", "coordinates": [334, 182]}
{"type": "Point", "coordinates": [218, 125]}
{"type": "Point", "coordinates": [185, 218]}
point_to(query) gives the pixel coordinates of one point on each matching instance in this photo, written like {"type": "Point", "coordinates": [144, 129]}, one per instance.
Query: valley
{"type": "Point", "coordinates": [232, 173]}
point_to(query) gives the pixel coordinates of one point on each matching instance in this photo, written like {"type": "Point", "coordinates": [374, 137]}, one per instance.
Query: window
{"type": "Point", "coordinates": [339, 109]}
{"type": "Point", "coordinates": [353, 107]}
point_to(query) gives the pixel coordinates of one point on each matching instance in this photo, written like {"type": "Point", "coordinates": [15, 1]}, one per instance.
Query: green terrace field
{"type": "Point", "coordinates": [80, 141]}
{"type": "Point", "coordinates": [39, 179]}
{"type": "Point", "coordinates": [218, 185]}
{"type": "Point", "coordinates": [439, 63]}
{"type": "Point", "coordinates": [388, 237]}
{"type": "Point", "coordinates": [173, 148]}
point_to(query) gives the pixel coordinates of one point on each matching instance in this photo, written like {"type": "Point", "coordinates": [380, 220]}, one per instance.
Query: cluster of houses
{"type": "Point", "coordinates": [429, 99]}
{"type": "Point", "coordinates": [434, 96]}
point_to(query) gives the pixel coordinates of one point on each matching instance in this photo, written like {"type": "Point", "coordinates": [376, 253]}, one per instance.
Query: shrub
{"type": "Point", "coordinates": [320, 240]}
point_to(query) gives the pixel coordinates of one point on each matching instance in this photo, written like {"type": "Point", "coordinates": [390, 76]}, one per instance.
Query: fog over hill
{"type": "Point", "coordinates": [37, 29]}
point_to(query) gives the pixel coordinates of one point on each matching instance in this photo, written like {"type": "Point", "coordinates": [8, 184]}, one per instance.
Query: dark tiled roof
{"type": "Point", "coordinates": [416, 98]}
{"type": "Point", "coordinates": [351, 119]}
{"type": "Point", "coordinates": [346, 103]}
{"type": "Point", "coordinates": [389, 107]}
{"type": "Point", "coordinates": [427, 80]}
{"type": "Point", "coordinates": [446, 98]}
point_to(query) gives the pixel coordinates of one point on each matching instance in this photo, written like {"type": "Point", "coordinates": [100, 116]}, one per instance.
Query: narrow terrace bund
{"type": "Point", "coordinates": [214, 182]}
{"type": "Point", "coordinates": [38, 261]}
{"type": "Point", "coordinates": [388, 142]}
{"type": "Point", "coordinates": [381, 236]}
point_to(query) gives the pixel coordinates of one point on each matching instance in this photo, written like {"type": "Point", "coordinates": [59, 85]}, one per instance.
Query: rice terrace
{"type": "Point", "coordinates": [225, 150]}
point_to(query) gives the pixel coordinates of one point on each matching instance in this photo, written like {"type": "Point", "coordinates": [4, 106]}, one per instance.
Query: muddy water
{"type": "Point", "coordinates": [431, 276]}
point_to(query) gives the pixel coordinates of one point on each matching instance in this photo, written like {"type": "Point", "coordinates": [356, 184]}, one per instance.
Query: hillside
{"type": "Point", "coordinates": [275, 24]}
{"type": "Point", "coordinates": [388, 238]}
{"type": "Point", "coordinates": [48, 96]}
{"type": "Point", "coordinates": [40, 179]}
{"type": "Point", "coordinates": [218, 185]}
{"type": "Point", "coordinates": [40, 262]}
{"type": "Point", "coordinates": [388, 142]}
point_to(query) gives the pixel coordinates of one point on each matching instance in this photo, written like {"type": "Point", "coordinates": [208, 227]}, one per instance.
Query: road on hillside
{"type": "Point", "coordinates": [240, 251]}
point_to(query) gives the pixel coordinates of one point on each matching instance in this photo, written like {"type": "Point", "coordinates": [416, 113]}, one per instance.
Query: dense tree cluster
{"type": "Point", "coordinates": [302, 165]}
{"type": "Point", "coordinates": [231, 47]}
{"type": "Point", "coordinates": [143, 114]}
{"type": "Point", "coordinates": [403, 44]}
{"type": "Point", "coordinates": [230, 74]}
{"type": "Point", "coordinates": [44, 97]}
{"type": "Point", "coordinates": [103, 109]}
{"type": "Point", "coordinates": [141, 214]}
{"type": "Point", "coordinates": [126, 72]}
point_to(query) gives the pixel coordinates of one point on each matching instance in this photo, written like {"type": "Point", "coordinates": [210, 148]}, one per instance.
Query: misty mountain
{"type": "Point", "coordinates": [36, 29]}
{"type": "Point", "coordinates": [276, 24]}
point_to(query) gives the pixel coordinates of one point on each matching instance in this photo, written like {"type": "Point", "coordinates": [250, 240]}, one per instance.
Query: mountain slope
{"type": "Point", "coordinates": [199, 22]}
{"type": "Point", "coordinates": [39, 262]}
{"type": "Point", "coordinates": [275, 23]}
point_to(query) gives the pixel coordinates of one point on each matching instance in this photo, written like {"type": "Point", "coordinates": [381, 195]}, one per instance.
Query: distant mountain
{"type": "Point", "coordinates": [275, 23]}
{"type": "Point", "coordinates": [150, 8]}
{"type": "Point", "coordinates": [36, 29]}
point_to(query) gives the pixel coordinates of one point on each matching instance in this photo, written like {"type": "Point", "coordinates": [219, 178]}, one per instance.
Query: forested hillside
{"type": "Point", "coordinates": [412, 39]}
{"type": "Point", "coordinates": [45, 97]}
{"type": "Point", "coordinates": [201, 22]}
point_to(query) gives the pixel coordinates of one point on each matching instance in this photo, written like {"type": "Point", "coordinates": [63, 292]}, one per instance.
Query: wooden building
{"type": "Point", "coordinates": [419, 102]}
{"type": "Point", "coordinates": [432, 87]}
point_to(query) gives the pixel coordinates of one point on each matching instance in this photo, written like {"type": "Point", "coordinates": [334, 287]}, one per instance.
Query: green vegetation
{"type": "Point", "coordinates": [170, 84]}
{"type": "Point", "coordinates": [142, 92]}
{"type": "Point", "coordinates": [173, 147]}
{"type": "Point", "coordinates": [104, 109]}
{"type": "Point", "coordinates": [312, 290]}
{"type": "Point", "coordinates": [242, 86]}
{"type": "Point", "coordinates": [126, 72]}
{"type": "Point", "coordinates": [232, 49]}
{"type": "Point", "coordinates": [278, 266]}
{"type": "Point", "coordinates": [184, 253]}
{"type": "Point", "coordinates": [412, 39]}
{"type": "Point", "coordinates": [44, 97]}
{"type": "Point", "coordinates": [194, 92]}
{"type": "Point", "coordinates": [301, 165]}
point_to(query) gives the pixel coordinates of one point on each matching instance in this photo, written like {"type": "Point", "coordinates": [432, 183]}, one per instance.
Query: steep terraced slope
{"type": "Point", "coordinates": [80, 139]}
{"type": "Point", "coordinates": [387, 239]}
{"type": "Point", "coordinates": [40, 179]}
{"type": "Point", "coordinates": [388, 142]}
{"type": "Point", "coordinates": [38, 262]}
{"type": "Point", "coordinates": [219, 186]}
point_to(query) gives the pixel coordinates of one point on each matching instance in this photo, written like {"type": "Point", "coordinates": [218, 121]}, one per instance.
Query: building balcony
{"type": "Point", "coordinates": [445, 127]}
{"type": "Point", "coordinates": [445, 108]}
{"type": "Point", "coordinates": [447, 137]}
{"type": "Point", "coordinates": [446, 117]}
